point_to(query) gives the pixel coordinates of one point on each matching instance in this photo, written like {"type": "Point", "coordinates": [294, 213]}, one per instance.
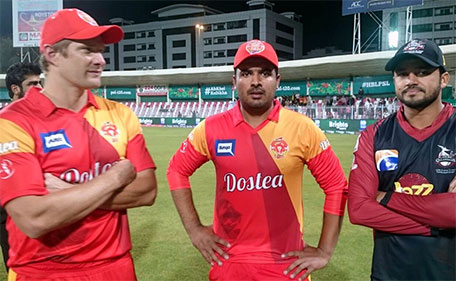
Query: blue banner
{"type": "Point", "coordinates": [361, 6]}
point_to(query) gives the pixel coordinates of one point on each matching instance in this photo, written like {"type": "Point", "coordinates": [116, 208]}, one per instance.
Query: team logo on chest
{"type": "Point", "coordinates": [110, 131]}
{"type": "Point", "coordinates": [279, 148]}
{"type": "Point", "coordinates": [446, 157]}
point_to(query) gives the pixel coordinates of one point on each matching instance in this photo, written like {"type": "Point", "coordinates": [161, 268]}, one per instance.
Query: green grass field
{"type": "Point", "coordinates": [163, 252]}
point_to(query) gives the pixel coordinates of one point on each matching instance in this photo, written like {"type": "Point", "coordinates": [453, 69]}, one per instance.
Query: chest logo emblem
{"type": "Point", "coordinates": [110, 130]}
{"type": "Point", "coordinates": [279, 147]}
{"type": "Point", "coordinates": [446, 157]}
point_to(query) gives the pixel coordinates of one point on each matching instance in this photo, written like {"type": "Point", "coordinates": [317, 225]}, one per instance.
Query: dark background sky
{"type": "Point", "coordinates": [323, 22]}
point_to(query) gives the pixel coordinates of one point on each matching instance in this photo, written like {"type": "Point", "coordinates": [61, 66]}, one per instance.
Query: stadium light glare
{"type": "Point", "coordinates": [393, 39]}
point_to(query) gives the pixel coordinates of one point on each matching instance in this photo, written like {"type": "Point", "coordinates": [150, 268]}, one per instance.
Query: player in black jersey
{"type": "Point", "coordinates": [402, 180]}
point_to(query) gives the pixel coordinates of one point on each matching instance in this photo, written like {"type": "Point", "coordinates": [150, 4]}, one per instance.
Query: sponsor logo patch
{"type": "Point", "coordinates": [279, 148]}
{"type": "Point", "coordinates": [8, 146]}
{"type": "Point", "coordinates": [413, 184]}
{"type": "Point", "coordinates": [54, 141]}
{"type": "Point", "coordinates": [386, 160]}
{"type": "Point", "coordinates": [225, 147]}
{"type": "Point", "coordinates": [6, 169]}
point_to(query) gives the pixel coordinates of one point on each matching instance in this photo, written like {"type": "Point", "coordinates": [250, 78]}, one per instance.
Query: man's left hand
{"type": "Point", "coordinates": [309, 259]}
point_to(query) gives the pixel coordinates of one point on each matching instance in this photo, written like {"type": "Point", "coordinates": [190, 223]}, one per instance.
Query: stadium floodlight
{"type": "Point", "coordinates": [393, 39]}
{"type": "Point", "coordinates": [199, 26]}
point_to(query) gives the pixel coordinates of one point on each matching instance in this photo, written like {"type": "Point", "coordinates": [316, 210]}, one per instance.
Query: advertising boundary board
{"type": "Point", "coordinates": [330, 126]}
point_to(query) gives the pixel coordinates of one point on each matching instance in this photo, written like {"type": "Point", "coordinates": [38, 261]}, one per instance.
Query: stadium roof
{"type": "Point", "coordinates": [366, 64]}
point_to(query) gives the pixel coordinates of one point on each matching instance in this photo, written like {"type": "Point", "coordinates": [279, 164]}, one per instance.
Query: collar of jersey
{"type": "Point", "coordinates": [422, 134]}
{"type": "Point", "coordinates": [273, 116]}
{"type": "Point", "coordinates": [45, 104]}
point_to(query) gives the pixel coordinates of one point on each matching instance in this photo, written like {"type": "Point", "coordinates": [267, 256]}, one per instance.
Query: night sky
{"type": "Point", "coordinates": [323, 22]}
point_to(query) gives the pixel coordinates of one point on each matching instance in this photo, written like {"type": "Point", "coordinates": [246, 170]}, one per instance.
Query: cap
{"type": "Point", "coordinates": [255, 48]}
{"type": "Point", "coordinates": [75, 24]}
{"type": "Point", "coordinates": [424, 49]}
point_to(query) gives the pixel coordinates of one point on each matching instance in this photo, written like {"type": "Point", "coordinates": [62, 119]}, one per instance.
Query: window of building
{"type": "Point", "coordinates": [219, 64]}
{"type": "Point", "coordinates": [151, 46]}
{"type": "Point", "coordinates": [443, 26]}
{"type": "Point", "coordinates": [207, 54]}
{"type": "Point", "coordinates": [427, 27]}
{"type": "Point", "coordinates": [106, 49]}
{"type": "Point", "coordinates": [178, 43]}
{"type": "Point", "coordinates": [237, 38]}
{"type": "Point", "coordinates": [141, 46]}
{"type": "Point", "coordinates": [131, 68]}
{"type": "Point", "coordinates": [179, 56]}
{"type": "Point", "coordinates": [141, 59]}
{"type": "Point", "coordinates": [107, 60]}
{"type": "Point", "coordinates": [179, 66]}
{"type": "Point", "coordinates": [219, 26]}
{"type": "Point", "coordinates": [129, 59]}
{"type": "Point", "coordinates": [256, 28]}
{"type": "Point", "coordinates": [219, 54]}
{"type": "Point", "coordinates": [284, 28]}
{"type": "Point", "coordinates": [284, 55]}
{"type": "Point", "coordinates": [444, 41]}
{"type": "Point", "coordinates": [130, 47]}
{"type": "Point", "coordinates": [442, 11]}
{"type": "Point", "coordinates": [231, 52]}
{"type": "Point", "coordinates": [151, 58]}
{"type": "Point", "coordinates": [236, 24]}
{"type": "Point", "coordinates": [219, 40]}
{"type": "Point", "coordinates": [422, 13]}
{"type": "Point", "coordinates": [284, 41]}
{"type": "Point", "coordinates": [129, 35]}
{"type": "Point", "coordinates": [207, 64]}
{"type": "Point", "coordinates": [207, 41]}
{"type": "Point", "coordinates": [150, 33]}
{"type": "Point", "coordinates": [140, 34]}
{"type": "Point", "coordinates": [393, 21]}
{"type": "Point", "coordinates": [207, 27]}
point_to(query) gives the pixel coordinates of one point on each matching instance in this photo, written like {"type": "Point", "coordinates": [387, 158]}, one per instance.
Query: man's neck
{"type": "Point", "coordinates": [65, 96]}
{"type": "Point", "coordinates": [422, 118]}
{"type": "Point", "coordinates": [255, 118]}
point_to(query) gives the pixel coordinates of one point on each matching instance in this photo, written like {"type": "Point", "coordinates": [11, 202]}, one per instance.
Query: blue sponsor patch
{"type": "Point", "coordinates": [54, 141]}
{"type": "Point", "coordinates": [224, 147]}
{"type": "Point", "coordinates": [387, 160]}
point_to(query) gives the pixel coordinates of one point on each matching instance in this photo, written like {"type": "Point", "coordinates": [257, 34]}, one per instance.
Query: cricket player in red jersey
{"type": "Point", "coordinates": [259, 150]}
{"type": "Point", "coordinates": [71, 163]}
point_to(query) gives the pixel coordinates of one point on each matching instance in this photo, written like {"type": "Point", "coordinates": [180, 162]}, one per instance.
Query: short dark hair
{"type": "Point", "coordinates": [18, 72]}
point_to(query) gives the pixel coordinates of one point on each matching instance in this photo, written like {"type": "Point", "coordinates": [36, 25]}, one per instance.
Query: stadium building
{"type": "Point", "coordinates": [435, 20]}
{"type": "Point", "coordinates": [185, 35]}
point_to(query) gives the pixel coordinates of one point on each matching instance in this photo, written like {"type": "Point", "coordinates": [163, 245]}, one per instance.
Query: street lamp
{"type": "Point", "coordinates": [199, 28]}
{"type": "Point", "coordinates": [393, 39]}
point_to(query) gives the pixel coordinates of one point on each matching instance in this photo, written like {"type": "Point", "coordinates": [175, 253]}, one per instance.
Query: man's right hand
{"type": "Point", "coordinates": [205, 240]}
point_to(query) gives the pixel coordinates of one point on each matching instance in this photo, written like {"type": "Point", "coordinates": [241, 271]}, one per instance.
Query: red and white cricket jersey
{"type": "Point", "coordinates": [36, 138]}
{"type": "Point", "coordinates": [258, 204]}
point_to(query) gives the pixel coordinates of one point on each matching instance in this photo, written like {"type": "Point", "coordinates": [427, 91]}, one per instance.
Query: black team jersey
{"type": "Point", "coordinates": [414, 225]}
